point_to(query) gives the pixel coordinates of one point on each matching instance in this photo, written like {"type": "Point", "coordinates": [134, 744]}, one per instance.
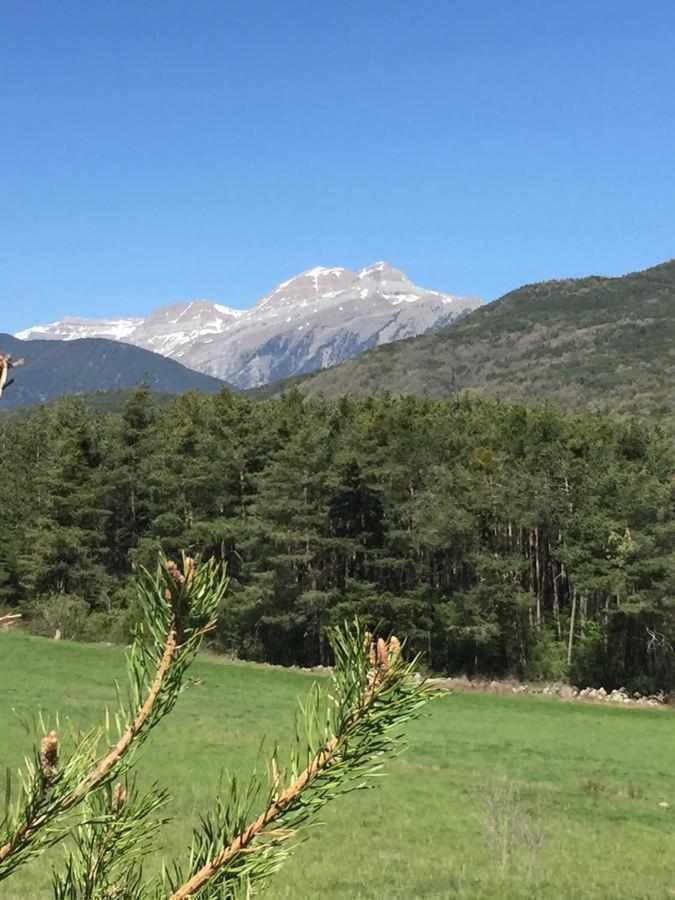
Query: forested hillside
{"type": "Point", "coordinates": [598, 343]}
{"type": "Point", "coordinates": [496, 538]}
{"type": "Point", "coordinates": [54, 368]}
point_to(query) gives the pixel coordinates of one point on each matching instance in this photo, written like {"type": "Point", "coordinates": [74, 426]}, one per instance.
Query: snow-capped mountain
{"type": "Point", "coordinates": [317, 319]}
{"type": "Point", "coordinates": [163, 331]}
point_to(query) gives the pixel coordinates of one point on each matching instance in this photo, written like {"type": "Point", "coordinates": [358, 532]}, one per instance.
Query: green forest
{"type": "Point", "coordinates": [498, 539]}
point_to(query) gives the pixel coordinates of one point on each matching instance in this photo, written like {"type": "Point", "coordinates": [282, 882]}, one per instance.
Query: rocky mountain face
{"type": "Point", "coordinates": [317, 319]}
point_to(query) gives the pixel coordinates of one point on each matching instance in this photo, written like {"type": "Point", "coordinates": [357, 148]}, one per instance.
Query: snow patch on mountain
{"type": "Point", "coordinates": [72, 328]}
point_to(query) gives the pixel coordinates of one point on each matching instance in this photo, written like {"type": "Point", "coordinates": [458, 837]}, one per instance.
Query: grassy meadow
{"type": "Point", "coordinates": [495, 798]}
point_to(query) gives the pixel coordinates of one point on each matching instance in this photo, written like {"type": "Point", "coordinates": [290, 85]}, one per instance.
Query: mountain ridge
{"type": "Point", "coordinates": [316, 319]}
{"type": "Point", "coordinates": [600, 342]}
{"type": "Point", "coordinates": [53, 368]}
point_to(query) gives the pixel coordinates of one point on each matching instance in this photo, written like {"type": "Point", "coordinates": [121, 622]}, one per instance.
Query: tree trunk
{"type": "Point", "coordinates": [573, 614]}
{"type": "Point", "coordinates": [556, 602]}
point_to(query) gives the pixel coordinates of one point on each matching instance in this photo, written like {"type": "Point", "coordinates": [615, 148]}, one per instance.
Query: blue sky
{"type": "Point", "coordinates": [166, 150]}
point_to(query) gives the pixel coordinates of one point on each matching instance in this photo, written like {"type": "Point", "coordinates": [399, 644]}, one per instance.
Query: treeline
{"type": "Point", "coordinates": [498, 539]}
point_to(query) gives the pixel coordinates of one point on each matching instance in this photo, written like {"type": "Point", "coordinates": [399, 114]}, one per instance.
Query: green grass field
{"type": "Point", "coordinates": [496, 797]}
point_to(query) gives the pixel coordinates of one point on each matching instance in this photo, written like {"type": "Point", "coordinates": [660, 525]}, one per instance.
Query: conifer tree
{"type": "Point", "coordinates": [65, 551]}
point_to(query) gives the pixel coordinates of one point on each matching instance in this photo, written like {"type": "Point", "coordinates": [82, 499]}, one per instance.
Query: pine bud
{"type": "Point", "coordinates": [276, 779]}
{"type": "Point", "coordinates": [372, 657]}
{"type": "Point", "coordinates": [175, 572]}
{"type": "Point", "coordinates": [49, 755]}
{"type": "Point", "coordinates": [189, 568]}
{"type": "Point", "coordinates": [382, 655]}
{"type": "Point", "coordinates": [394, 647]}
{"type": "Point", "coordinates": [119, 798]}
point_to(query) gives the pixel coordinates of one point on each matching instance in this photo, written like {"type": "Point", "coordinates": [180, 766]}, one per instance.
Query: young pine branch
{"type": "Point", "coordinates": [117, 831]}
{"type": "Point", "coordinates": [343, 735]}
{"type": "Point", "coordinates": [180, 606]}
{"type": "Point", "coordinates": [373, 693]}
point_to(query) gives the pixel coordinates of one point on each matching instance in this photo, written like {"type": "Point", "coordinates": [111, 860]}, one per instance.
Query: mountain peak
{"type": "Point", "coordinates": [378, 267]}
{"type": "Point", "coordinates": [382, 272]}
{"type": "Point", "coordinates": [320, 271]}
{"type": "Point", "coordinates": [313, 284]}
{"type": "Point", "coordinates": [192, 310]}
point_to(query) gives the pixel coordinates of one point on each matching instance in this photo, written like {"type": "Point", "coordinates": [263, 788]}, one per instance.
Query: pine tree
{"type": "Point", "coordinates": [65, 550]}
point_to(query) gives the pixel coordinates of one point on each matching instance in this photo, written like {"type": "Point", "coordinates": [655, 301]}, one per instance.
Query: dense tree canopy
{"type": "Point", "coordinates": [498, 538]}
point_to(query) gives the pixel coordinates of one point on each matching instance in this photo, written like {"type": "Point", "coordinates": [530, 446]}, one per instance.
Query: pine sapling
{"type": "Point", "coordinates": [343, 733]}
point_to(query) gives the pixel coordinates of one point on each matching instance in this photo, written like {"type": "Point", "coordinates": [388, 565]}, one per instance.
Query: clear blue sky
{"type": "Point", "coordinates": [154, 151]}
